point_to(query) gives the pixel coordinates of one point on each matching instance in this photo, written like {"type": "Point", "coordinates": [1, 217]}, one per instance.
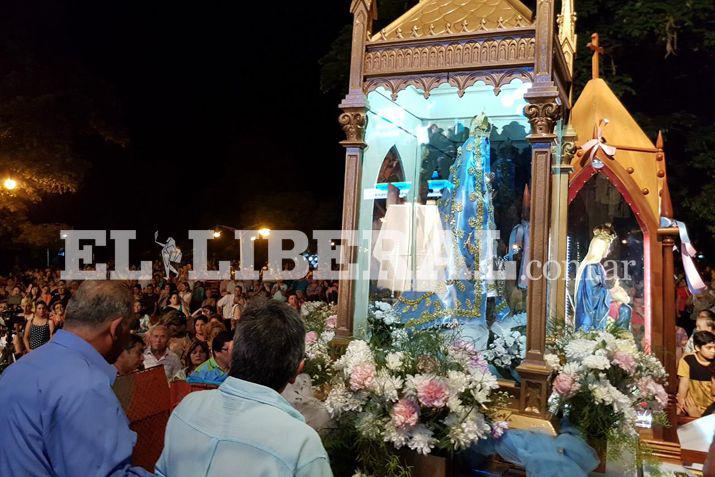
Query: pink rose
{"type": "Point", "coordinates": [405, 414]}
{"type": "Point", "coordinates": [331, 322]}
{"type": "Point", "coordinates": [311, 337]}
{"type": "Point", "coordinates": [565, 385]}
{"type": "Point", "coordinates": [433, 392]}
{"type": "Point", "coordinates": [625, 361]}
{"type": "Point", "coordinates": [362, 376]}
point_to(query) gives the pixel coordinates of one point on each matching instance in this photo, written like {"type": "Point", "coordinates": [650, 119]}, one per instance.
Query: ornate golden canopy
{"type": "Point", "coordinates": [440, 17]}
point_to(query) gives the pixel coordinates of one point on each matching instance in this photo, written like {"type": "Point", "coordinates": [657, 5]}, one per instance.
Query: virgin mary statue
{"type": "Point", "coordinates": [592, 296]}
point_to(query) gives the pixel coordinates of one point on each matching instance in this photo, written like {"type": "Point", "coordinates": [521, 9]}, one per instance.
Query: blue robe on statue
{"type": "Point", "coordinates": [592, 299]}
{"type": "Point", "coordinates": [467, 212]}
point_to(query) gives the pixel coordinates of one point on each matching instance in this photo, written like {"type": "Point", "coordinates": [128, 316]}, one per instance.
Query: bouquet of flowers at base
{"type": "Point", "coordinates": [320, 320]}
{"type": "Point", "coordinates": [601, 380]}
{"type": "Point", "coordinates": [428, 392]}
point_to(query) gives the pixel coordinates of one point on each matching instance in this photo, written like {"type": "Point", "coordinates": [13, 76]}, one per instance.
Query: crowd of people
{"type": "Point", "coordinates": [184, 325]}
{"type": "Point", "coordinates": [695, 348]}
{"type": "Point", "coordinates": [244, 338]}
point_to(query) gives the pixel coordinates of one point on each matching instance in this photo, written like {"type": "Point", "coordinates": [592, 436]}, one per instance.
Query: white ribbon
{"type": "Point", "coordinates": [599, 143]}
{"type": "Point", "coordinates": [687, 252]}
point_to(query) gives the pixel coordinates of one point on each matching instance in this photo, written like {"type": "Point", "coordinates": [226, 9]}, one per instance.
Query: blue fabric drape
{"type": "Point", "coordinates": [592, 299]}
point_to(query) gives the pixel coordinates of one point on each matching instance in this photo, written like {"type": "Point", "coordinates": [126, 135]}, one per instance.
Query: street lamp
{"type": "Point", "coordinates": [217, 233]}
{"type": "Point", "coordinates": [10, 184]}
{"type": "Point", "coordinates": [264, 232]}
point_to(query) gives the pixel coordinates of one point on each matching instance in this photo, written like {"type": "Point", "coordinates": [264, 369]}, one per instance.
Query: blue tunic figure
{"type": "Point", "coordinates": [593, 300]}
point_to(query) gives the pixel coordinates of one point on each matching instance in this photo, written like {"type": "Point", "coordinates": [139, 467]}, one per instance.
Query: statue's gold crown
{"type": "Point", "coordinates": [480, 124]}
{"type": "Point", "coordinates": [605, 232]}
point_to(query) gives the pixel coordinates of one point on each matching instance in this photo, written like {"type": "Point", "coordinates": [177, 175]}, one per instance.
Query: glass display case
{"type": "Point", "coordinates": [443, 189]}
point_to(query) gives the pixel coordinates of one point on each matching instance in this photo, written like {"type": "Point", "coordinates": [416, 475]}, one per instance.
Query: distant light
{"type": "Point", "coordinates": [217, 233]}
{"type": "Point", "coordinates": [264, 232]}
{"type": "Point", "coordinates": [253, 238]}
{"type": "Point", "coordinates": [624, 241]}
{"type": "Point", "coordinates": [332, 244]}
{"type": "Point", "coordinates": [64, 236]}
{"type": "Point", "coordinates": [10, 184]}
{"type": "Point", "coordinates": [701, 256]}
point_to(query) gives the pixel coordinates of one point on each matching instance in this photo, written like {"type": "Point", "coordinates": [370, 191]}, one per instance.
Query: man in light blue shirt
{"type": "Point", "coordinates": [58, 414]}
{"type": "Point", "coordinates": [245, 427]}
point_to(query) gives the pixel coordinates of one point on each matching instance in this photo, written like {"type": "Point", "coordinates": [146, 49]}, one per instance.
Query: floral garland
{"type": "Point", "coordinates": [320, 320]}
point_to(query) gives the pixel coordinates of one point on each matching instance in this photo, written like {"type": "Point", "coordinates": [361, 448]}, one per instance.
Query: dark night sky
{"type": "Point", "coordinates": [223, 107]}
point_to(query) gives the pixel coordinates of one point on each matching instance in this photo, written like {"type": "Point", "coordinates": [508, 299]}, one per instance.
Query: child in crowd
{"type": "Point", "coordinates": [695, 373]}
{"type": "Point", "coordinates": [704, 322]}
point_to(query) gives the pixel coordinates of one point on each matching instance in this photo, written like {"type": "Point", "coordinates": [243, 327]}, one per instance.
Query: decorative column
{"type": "Point", "coordinates": [543, 111]}
{"type": "Point", "coordinates": [559, 221]}
{"type": "Point", "coordinates": [667, 239]}
{"type": "Point", "coordinates": [353, 121]}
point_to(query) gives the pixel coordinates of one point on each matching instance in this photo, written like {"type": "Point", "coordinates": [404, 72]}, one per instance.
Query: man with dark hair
{"type": "Point", "coordinates": [245, 427]}
{"type": "Point", "coordinates": [215, 369]}
{"type": "Point", "coordinates": [132, 357]}
{"type": "Point", "coordinates": [59, 414]}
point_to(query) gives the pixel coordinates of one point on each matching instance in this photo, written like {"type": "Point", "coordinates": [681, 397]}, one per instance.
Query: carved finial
{"type": "Point", "coordinates": [659, 141]}
{"type": "Point", "coordinates": [526, 203]}
{"type": "Point", "coordinates": [465, 26]}
{"type": "Point", "coordinates": [448, 27]}
{"type": "Point", "coordinates": [666, 203]}
{"type": "Point", "coordinates": [597, 51]}
{"type": "Point", "coordinates": [500, 22]}
{"type": "Point", "coordinates": [399, 33]}
{"type": "Point", "coordinates": [415, 31]}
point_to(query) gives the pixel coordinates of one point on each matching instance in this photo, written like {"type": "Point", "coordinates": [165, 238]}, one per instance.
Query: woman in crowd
{"type": "Point", "coordinates": [45, 296]}
{"type": "Point", "coordinates": [27, 306]}
{"type": "Point", "coordinates": [58, 315]}
{"type": "Point", "coordinates": [39, 329]}
{"type": "Point", "coordinates": [195, 354]}
{"type": "Point", "coordinates": [200, 322]}
{"type": "Point", "coordinates": [174, 304]}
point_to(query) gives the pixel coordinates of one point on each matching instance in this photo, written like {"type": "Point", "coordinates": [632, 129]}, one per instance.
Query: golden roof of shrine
{"type": "Point", "coordinates": [443, 17]}
{"type": "Point", "coordinates": [635, 152]}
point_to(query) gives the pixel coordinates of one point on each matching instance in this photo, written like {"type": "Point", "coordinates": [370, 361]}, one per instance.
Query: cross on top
{"type": "Point", "coordinates": [597, 51]}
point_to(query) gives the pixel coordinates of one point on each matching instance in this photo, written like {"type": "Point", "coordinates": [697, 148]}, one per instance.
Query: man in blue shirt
{"type": "Point", "coordinates": [245, 427]}
{"type": "Point", "coordinates": [59, 414]}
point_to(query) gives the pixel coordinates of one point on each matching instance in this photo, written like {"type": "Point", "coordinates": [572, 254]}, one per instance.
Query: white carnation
{"type": "Point", "coordinates": [341, 400]}
{"type": "Point", "coordinates": [552, 361]}
{"type": "Point", "coordinates": [422, 441]}
{"type": "Point", "coordinates": [596, 362]}
{"type": "Point", "coordinates": [393, 361]}
{"type": "Point", "coordinates": [580, 348]}
{"type": "Point", "coordinates": [386, 386]}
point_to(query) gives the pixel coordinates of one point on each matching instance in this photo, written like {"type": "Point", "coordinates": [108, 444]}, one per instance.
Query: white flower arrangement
{"type": "Point", "coordinates": [431, 393]}
{"type": "Point", "coordinates": [601, 379]}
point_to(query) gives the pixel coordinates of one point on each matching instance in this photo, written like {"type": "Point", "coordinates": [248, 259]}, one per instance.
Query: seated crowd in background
{"type": "Point", "coordinates": [178, 318]}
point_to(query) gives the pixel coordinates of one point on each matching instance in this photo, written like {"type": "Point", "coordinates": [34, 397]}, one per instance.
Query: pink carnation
{"type": "Point", "coordinates": [648, 388]}
{"type": "Point", "coordinates": [331, 322]}
{"type": "Point", "coordinates": [565, 385]}
{"type": "Point", "coordinates": [625, 361]}
{"type": "Point", "coordinates": [311, 337]}
{"type": "Point", "coordinates": [362, 376]}
{"type": "Point", "coordinates": [433, 392]}
{"type": "Point", "coordinates": [405, 414]}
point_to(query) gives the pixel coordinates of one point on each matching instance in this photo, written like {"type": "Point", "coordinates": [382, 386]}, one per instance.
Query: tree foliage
{"type": "Point", "coordinates": [659, 55]}
{"type": "Point", "coordinates": [53, 113]}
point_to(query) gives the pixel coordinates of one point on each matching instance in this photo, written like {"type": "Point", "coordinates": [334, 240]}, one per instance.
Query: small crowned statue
{"type": "Point", "coordinates": [593, 300]}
